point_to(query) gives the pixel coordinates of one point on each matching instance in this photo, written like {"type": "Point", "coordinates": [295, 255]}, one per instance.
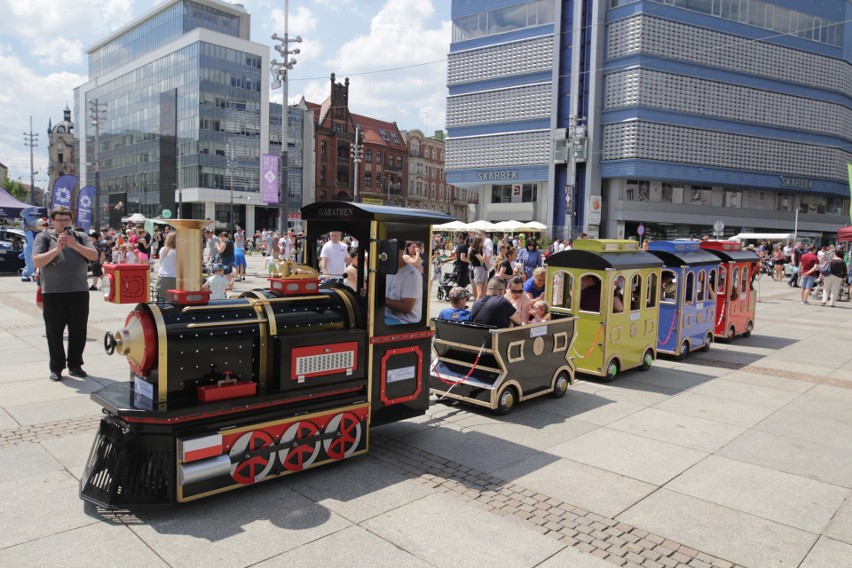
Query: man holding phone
{"type": "Point", "coordinates": [63, 255]}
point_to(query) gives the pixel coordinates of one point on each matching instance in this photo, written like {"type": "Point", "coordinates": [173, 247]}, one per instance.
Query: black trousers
{"type": "Point", "coordinates": [61, 310]}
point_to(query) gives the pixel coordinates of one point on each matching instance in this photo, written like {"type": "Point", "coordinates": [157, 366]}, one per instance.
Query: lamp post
{"type": "Point", "coordinates": [31, 140]}
{"type": "Point", "coordinates": [357, 156]}
{"type": "Point", "coordinates": [796, 226]}
{"type": "Point", "coordinates": [280, 69]}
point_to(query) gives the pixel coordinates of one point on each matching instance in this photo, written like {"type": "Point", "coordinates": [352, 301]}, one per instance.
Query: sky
{"type": "Point", "coordinates": [393, 51]}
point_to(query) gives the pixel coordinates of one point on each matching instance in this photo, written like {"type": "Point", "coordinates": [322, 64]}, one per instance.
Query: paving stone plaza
{"type": "Point", "coordinates": [741, 456]}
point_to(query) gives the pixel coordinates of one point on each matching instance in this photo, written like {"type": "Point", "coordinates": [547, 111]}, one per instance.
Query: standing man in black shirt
{"type": "Point", "coordinates": [63, 256]}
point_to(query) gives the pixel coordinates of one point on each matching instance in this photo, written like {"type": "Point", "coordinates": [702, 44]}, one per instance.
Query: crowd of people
{"type": "Point", "coordinates": [820, 272]}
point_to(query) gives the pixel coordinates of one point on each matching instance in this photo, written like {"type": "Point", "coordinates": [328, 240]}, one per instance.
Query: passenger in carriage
{"type": "Point", "coordinates": [539, 312]}
{"type": "Point", "coordinates": [493, 309]}
{"type": "Point", "coordinates": [590, 294]}
{"type": "Point", "coordinates": [403, 294]}
{"type": "Point", "coordinates": [458, 302]}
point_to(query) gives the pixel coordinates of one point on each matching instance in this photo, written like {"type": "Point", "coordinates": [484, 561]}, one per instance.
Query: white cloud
{"type": "Point", "coordinates": [415, 88]}
{"type": "Point", "coordinates": [27, 94]}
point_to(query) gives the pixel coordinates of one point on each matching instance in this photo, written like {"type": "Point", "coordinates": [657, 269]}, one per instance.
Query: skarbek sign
{"type": "Point", "coordinates": [796, 183]}
{"type": "Point", "coordinates": [496, 175]}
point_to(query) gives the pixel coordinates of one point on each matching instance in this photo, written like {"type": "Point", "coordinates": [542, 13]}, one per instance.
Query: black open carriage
{"type": "Point", "coordinates": [496, 368]}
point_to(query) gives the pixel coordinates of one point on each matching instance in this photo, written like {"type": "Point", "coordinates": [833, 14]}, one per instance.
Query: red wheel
{"type": "Point", "coordinates": [298, 455]}
{"type": "Point", "coordinates": [252, 468]}
{"type": "Point", "coordinates": [347, 428]}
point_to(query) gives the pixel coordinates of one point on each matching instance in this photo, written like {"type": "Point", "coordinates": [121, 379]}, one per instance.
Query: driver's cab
{"type": "Point", "coordinates": [387, 273]}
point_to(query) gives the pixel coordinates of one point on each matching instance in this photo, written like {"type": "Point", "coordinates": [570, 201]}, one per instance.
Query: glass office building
{"type": "Point", "coordinates": [672, 114]}
{"type": "Point", "coordinates": [177, 115]}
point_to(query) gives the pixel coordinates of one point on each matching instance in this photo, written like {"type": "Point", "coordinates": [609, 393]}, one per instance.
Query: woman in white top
{"type": "Point", "coordinates": [167, 273]}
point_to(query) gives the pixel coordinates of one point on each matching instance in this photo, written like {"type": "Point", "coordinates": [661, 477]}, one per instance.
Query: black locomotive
{"type": "Point", "coordinates": [229, 393]}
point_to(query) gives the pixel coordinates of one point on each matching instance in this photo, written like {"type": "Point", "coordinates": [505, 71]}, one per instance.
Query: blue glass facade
{"type": "Point", "coordinates": [670, 113]}
{"type": "Point", "coordinates": [212, 131]}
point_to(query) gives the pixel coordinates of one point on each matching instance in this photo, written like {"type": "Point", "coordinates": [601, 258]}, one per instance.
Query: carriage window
{"type": "Point", "coordinates": [744, 284]}
{"type": "Point", "coordinates": [651, 300]}
{"type": "Point", "coordinates": [563, 288]}
{"type": "Point", "coordinates": [690, 288]}
{"type": "Point", "coordinates": [590, 294]}
{"type": "Point", "coordinates": [618, 294]}
{"type": "Point", "coordinates": [668, 292]}
{"type": "Point", "coordinates": [711, 285]}
{"type": "Point", "coordinates": [636, 293]}
{"type": "Point", "coordinates": [702, 286]}
{"type": "Point", "coordinates": [735, 283]}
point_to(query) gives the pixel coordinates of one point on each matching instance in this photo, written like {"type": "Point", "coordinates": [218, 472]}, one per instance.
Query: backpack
{"type": "Point", "coordinates": [825, 269]}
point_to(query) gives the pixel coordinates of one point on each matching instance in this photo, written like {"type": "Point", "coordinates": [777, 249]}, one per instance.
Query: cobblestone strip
{"type": "Point", "coordinates": [768, 371]}
{"type": "Point", "coordinates": [47, 431]}
{"type": "Point", "coordinates": [616, 542]}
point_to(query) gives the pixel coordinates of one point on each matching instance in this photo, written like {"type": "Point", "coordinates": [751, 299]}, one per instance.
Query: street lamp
{"type": "Point", "coordinates": [357, 156]}
{"type": "Point", "coordinates": [280, 69]}
{"type": "Point", "coordinates": [796, 226]}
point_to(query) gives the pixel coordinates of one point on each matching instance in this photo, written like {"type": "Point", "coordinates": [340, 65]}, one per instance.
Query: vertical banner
{"type": "Point", "coordinates": [62, 190]}
{"type": "Point", "coordinates": [269, 178]}
{"type": "Point", "coordinates": [84, 207]}
{"type": "Point", "coordinates": [849, 168]}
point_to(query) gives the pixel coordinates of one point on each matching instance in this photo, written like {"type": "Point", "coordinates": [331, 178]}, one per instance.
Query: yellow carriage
{"type": "Point", "coordinates": [613, 289]}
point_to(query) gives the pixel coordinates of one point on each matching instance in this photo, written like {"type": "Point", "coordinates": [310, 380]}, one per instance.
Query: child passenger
{"type": "Point", "coordinates": [539, 312]}
{"type": "Point", "coordinates": [217, 283]}
{"type": "Point", "coordinates": [458, 302]}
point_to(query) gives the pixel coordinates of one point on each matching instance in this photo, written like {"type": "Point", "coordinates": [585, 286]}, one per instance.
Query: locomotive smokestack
{"type": "Point", "coordinates": [188, 246]}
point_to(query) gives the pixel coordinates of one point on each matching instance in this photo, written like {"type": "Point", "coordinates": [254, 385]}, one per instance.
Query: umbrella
{"type": "Point", "coordinates": [135, 218]}
{"type": "Point", "coordinates": [481, 225]}
{"type": "Point", "coordinates": [451, 226]}
{"type": "Point", "coordinates": [532, 226]}
{"type": "Point", "coordinates": [508, 226]}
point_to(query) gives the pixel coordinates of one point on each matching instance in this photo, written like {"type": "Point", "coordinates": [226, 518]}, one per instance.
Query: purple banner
{"type": "Point", "coordinates": [269, 178]}
{"type": "Point", "coordinates": [84, 207]}
{"type": "Point", "coordinates": [63, 188]}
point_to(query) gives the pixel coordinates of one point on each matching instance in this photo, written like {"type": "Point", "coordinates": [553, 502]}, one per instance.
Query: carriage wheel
{"type": "Point", "coordinates": [707, 341]}
{"type": "Point", "coordinates": [732, 333]}
{"type": "Point", "coordinates": [611, 371]}
{"type": "Point", "coordinates": [506, 399]}
{"type": "Point", "coordinates": [252, 468]}
{"type": "Point", "coordinates": [748, 329]}
{"type": "Point", "coordinates": [347, 429]}
{"type": "Point", "coordinates": [298, 455]}
{"type": "Point", "coordinates": [684, 350]}
{"type": "Point", "coordinates": [560, 386]}
{"type": "Point", "coordinates": [648, 360]}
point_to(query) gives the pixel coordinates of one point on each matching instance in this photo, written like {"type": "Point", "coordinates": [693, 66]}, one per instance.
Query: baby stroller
{"type": "Point", "coordinates": [448, 281]}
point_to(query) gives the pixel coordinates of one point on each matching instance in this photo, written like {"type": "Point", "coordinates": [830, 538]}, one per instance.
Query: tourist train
{"type": "Point", "coordinates": [228, 393]}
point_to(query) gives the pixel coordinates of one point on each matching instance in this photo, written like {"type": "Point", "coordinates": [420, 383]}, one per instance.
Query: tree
{"type": "Point", "coordinates": [16, 189]}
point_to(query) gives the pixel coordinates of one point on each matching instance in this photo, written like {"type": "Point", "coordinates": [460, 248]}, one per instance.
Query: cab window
{"type": "Point", "coordinates": [651, 300]}
{"type": "Point", "coordinates": [711, 285]}
{"type": "Point", "coordinates": [590, 293]}
{"type": "Point", "coordinates": [562, 286]}
{"type": "Point", "coordinates": [636, 293]}
{"type": "Point", "coordinates": [744, 282]}
{"type": "Point", "coordinates": [702, 286]}
{"type": "Point", "coordinates": [735, 283]}
{"type": "Point", "coordinates": [668, 292]}
{"type": "Point", "coordinates": [618, 294]}
{"type": "Point", "coordinates": [690, 288]}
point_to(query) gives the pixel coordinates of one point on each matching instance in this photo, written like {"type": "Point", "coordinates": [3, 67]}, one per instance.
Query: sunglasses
{"type": "Point", "coordinates": [515, 291]}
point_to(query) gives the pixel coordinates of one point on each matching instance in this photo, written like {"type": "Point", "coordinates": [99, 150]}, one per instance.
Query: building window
{"type": "Point", "coordinates": [368, 179]}
{"type": "Point", "coordinates": [368, 156]}
{"type": "Point", "coordinates": [733, 198]}
{"type": "Point", "coordinates": [514, 193]}
{"type": "Point", "coordinates": [378, 157]}
{"type": "Point", "coordinates": [322, 148]}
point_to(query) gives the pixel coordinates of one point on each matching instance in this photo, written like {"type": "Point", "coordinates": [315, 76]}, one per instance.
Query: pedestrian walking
{"type": "Point", "coordinates": [833, 280]}
{"type": "Point", "coordinates": [808, 266]}
{"type": "Point", "coordinates": [62, 256]}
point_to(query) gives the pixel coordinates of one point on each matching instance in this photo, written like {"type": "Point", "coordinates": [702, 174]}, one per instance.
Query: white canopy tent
{"type": "Point", "coordinates": [480, 226]}
{"type": "Point", "coordinates": [533, 226]}
{"type": "Point", "coordinates": [451, 226]}
{"type": "Point", "coordinates": [507, 226]}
